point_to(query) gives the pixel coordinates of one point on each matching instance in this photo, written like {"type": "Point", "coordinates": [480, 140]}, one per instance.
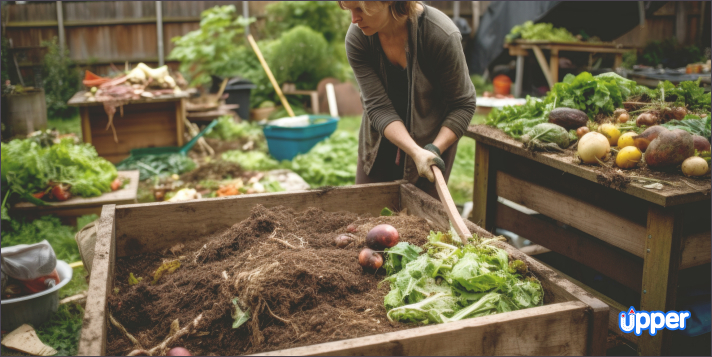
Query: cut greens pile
{"type": "Point", "coordinates": [29, 168]}
{"type": "Point", "coordinates": [452, 282]}
{"type": "Point", "coordinates": [541, 31]}
{"type": "Point", "coordinates": [331, 162]}
{"type": "Point", "coordinates": [157, 165]}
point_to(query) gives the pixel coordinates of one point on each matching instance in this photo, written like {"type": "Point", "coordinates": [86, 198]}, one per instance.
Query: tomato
{"type": "Point", "coordinates": [116, 184]}
{"type": "Point", "coordinates": [61, 193]}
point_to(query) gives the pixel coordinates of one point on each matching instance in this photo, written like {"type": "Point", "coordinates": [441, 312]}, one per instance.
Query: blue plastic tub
{"type": "Point", "coordinates": [286, 142]}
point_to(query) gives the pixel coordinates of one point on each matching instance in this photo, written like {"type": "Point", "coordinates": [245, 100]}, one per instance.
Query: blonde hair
{"type": "Point", "coordinates": [398, 9]}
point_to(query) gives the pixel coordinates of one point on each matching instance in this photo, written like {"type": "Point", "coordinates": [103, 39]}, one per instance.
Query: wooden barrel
{"type": "Point", "coordinates": [24, 113]}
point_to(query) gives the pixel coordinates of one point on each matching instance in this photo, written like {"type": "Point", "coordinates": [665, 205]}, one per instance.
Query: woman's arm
{"type": "Point", "coordinates": [458, 91]}
{"type": "Point", "coordinates": [377, 105]}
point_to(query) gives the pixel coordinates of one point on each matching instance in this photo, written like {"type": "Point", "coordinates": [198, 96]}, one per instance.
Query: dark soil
{"type": "Point", "coordinates": [281, 264]}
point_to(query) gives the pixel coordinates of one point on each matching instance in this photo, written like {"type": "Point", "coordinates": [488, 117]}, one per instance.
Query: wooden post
{"type": "Point", "coordinates": [554, 64]}
{"type": "Point", "coordinates": [519, 76]}
{"type": "Point", "coordinates": [660, 271]}
{"type": "Point", "coordinates": [618, 61]}
{"type": "Point", "coordinates": [159, 32]}
{"type": "Point", "coordinates": [475, 17]}
{"type": "Point", "coordinates": [60, 26]}
{"type": "Point", "coordinates": [270, 76]}
{"type": "Point", "coordinates": [680, 22]}
{"type": "Point", "coordinates": [484, 199]}
{"type": "Point", "coordinates": [86, 125]}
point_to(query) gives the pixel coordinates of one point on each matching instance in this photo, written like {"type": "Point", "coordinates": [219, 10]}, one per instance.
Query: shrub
{"type": "Point", "coordinates": [325, 17]}
{"type": "Point", "coordinates": [60, 80]}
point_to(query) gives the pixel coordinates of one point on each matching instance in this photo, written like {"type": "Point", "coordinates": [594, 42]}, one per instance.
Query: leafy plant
{"type": "Point", "coordinates": [62, 330]}
{"type": "Point", "coordinates": [592, 95]}
{"type": "Point", "coordinates": [693, 124]}
{"type": "Point", "coordinates": [515, 120]}
{"type": "Point", "coordinates": [60, 80]}
{"type": "Point", "coordinates": [251, 160]}
{"type": "Point", "coordinates": [481, 85]}
{"type": "Point", "coordinates": [325, 17]}
{"type": "Point", "coordinates": [59, 236]}
{"type": "Point", "coordinates": [331, 162]}
{"type": "Point", "coordinates": [228, 129]}
{"type": "Point", "coordinates": [541, 31]}
{"type": "Point", "coordinates": [670, 53]}
{"type": "Point", "coordinates": [212, 49]}
{"type": "Point", "coordinates": [158, 165]}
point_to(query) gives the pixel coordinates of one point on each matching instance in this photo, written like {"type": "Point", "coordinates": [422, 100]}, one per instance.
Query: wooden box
{"type": "Point", "coordinates": [571, 322]}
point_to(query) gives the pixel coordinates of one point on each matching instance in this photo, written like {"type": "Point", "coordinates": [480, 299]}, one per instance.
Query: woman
{"type": "Point", "coordinates": [415, 89]}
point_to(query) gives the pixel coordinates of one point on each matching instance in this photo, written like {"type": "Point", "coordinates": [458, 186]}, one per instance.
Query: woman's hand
{"type": "Point", "coordinates": [424, 159]}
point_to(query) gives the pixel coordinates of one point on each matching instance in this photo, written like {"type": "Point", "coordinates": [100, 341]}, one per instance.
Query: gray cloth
{"type": "Point", "coordinates": [440, 90]}
{"type": "Point", "coordinates": [28, 261]}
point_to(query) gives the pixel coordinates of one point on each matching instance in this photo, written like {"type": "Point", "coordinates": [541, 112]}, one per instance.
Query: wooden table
{"type": "Point", "coordinates": [146, 122]}
{"type": "Point", "coordinates": [69, 210]}
{"type": "Point", "coordinates": [641, 238]}
{"type": "Point", "coordinates": [520, 48]}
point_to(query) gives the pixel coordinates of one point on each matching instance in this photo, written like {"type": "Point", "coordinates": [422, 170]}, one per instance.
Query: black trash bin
{"type": "Point", "coordinates": [238, 90]}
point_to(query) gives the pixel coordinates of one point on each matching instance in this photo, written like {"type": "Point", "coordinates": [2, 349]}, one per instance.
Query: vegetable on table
{"type": "Point", "coordinates": [701, 144]}
{"type": "Point", "coordinates": [643, 140]}
{"type": "Point", "coordinates": [647, 119]}
{"type": "Point", "coordinates": [568, 118]}
{"type": "Point", "coordinates": [582, 131]}
{"type": "Point", "coordinates": [695, 166]}
{"type": "Point", "coordinates": [628, 157]}
{"type": "Point", "coordinates": [611, 132]}
{"type": "Point", "coordinates": [626, 139]}
{"type": "Point", "coordinates": [546, 137]}
{"type": "Point", "coordinates": [593, 147]}
{"type": "Point", "coordinates": [669, 149]}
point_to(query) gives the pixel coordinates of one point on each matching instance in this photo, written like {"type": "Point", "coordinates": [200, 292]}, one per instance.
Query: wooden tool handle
{"type": "Point", "coordinates": [269, 74]}
{"type": "Point", "coordinates": [449, 204]}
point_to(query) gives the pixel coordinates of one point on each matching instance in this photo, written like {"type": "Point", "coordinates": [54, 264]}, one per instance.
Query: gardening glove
{"type": "Point", "coordinates": [427, 157]}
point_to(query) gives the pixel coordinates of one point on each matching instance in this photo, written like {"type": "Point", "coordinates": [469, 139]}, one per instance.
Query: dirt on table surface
{"type": "Point", "coordinates": [281, 264]}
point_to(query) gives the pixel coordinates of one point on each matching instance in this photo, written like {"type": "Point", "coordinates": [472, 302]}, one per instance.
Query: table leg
{"type": "Point", "coordinates": [519, 76]}
{"type": "Point", "coordinates": [544, 66]}
{"type": "Point", "coordinates": [618, 61]}
{"type": "Point", "coordinates": [315, 102]}
{"type": "Point", "coordinates": [554, 64]}
{"type": "Point", "coordinates": [484, 199]}
{"type": "Point", "coordinates": [660, 272]}
{"type": "Point", "coordinates": [86, 125]}
{"type": "Point", "coordinates": [180, 121]}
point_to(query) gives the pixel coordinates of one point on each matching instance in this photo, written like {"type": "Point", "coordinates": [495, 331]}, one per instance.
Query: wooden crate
{"type": "Point", "coordinates": [142, 123]}
{"type": "Point", "coordinates": [571, 322]}
{"type": "Point", "coordinates": [69, 210]}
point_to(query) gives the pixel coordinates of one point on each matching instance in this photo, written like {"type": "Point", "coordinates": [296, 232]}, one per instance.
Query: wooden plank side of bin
{"type": "Point", "coordinates": [558, 329]}
{"type": "Point", "coordinates": [92, 341]}
{"type": "Point", "coordinates": [419, 203]}
{"type": "Point", "coordinates": [149, 227]}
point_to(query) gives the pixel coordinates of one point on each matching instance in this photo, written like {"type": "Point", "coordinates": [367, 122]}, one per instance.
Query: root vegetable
{"type": "Point", "coordinates": [116, 184]}
{"type": "Point", "coordinates": [669, 149]}
{"type": "Point", "coordinates": [643, 140]}
{"type": "Point", "coordinates": [343, 240]}
{"type": "Point", "coordinates": [568, 118]}
{"type": "Point", "coordinates": [647, 119]}
{"type": "Point", "coordinates": [627, 140]}
{"type": "Point", "coordinates": [178, 351]}
{"type": "Point", "coordinates": [61, 192]}
{"type": "Point", "coordinates": [382, 236]}
{"type": "Point", "coordinates": [628, 157]}
{"type": "Point", "coordinates": [611, 132]}
{"type": "Point", "coordinates": [582, 131]}
{"type": "Point", "coordinates": [593, 147]}
{"type": "Point", "coordinates": [678, 113]}
{"type": "Point", "coordinates": [352, 228]}
{"type": "Point", "coordinates": [694, 166]}
{"type": "Point", "coordinates": [369, 259]}
{"type": "Point", "coordinates": [701, 144]}
{"type": "Point", "coordinates": [623, 118]}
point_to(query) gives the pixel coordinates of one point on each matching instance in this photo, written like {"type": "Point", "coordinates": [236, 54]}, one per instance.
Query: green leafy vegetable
{"type": "Point", "coordinates": [693, 124]}
{"type": "Point", "coordinates": [228, 129]}
{"type": "Point", "coordinates": [239, 316]}
{"type": "Point", "coordinates": [158, 165]}
{"type": "Point", "coordinates": [452, 282]}
{"type": "Point", "coordinates": [251, 160]}
{"type": "Point", "coordinates": [541, 31]}
{"type": "Point", "coordinates": [59, 236]}
{"type": "Point", "coordinates": [386, 212]}
{"type": "Point", "coordinates": [331, 162]}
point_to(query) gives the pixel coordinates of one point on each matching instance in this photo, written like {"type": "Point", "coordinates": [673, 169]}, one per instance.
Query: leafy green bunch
{"type": "Point", "coordinates": [228, 129]}
{"type": "Point", "coordinates": [213, 48]}
{"type": "Point", "coordinates": [331, 162]}
{"type": "Point", "coordinates": [541, 31]}
{"type": "Point", "coordinates": [158, 165]}
{"type": "Point", "coordinates": [251, 160]}
{"type": "Point", "coordinates": [687, 94]}
{"type": "Point", "coordinates": [592, 94]}
{"type": "Point", "coordinates": [451, 282]}
{"type": "Point", "coordinates": [325, 17]}
{"type": "Point", "coordinates": [28, 167]}
{"type": "Point", "coordinates": [515, 120]}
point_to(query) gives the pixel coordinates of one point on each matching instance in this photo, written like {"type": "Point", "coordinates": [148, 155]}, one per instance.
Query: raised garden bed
{"type": "Point", "coordinates": [570, 322]}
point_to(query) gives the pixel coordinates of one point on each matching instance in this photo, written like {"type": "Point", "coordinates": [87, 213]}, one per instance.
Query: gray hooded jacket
{"type": "Point", "coordinates": [440, 90]}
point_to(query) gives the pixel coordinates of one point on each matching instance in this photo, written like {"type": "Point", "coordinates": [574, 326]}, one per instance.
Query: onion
{"type": "Point", "coordinates": [352, 228]}
{"type": "Point", "coordinates": [647, 119]}
{"type": "Point", "coordinates": [582, 131]}
{"type": "Point", "coordinates": [382, 236]}
{"type": "Point", "coordinates": [369, 259]}
{"type": "Point", "coordinates": [593, 147]}
{"type": "Point", "coordinates": [628, 157]}
{"type": "Point", "coordinates": [701, 144]}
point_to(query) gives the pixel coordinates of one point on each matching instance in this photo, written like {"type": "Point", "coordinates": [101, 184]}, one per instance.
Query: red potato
{"type": "Point", "coordinates": [352, 228]}
{"type": "Point", "coordinates": [582, 131]}
{"type": "Point", "coordinates": [643, 140]}
{"type": "Point", "coordinates": [178, 351]}
{"type": "Point", "coordinates": [343, 240]}
{"type": "Point", "coordinates": [670, 149]}
{"type": "Point", "coordinates": [647, 119]}
{"type": "Point", "coordinates": [701, 144]}
{"type": "Point", "coordinates": [382, 236]}
{"type": "Point", "coordinates": [369, 259]}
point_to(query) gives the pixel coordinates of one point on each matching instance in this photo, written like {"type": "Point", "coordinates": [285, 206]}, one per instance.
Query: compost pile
{"type": "Point", "coordinates": [280, 265]}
